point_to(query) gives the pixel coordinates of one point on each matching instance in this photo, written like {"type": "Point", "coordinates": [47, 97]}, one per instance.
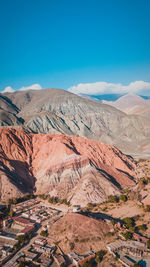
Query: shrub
{"type": "Point", "coordinates": [44, 233]}
{"type": "Point", "coordinates": [148, 208]}
{"type": "Point", "coordinates": [126, 191]}
{"type": "Point", "coordinates": [143, 181]}
{"type": "Point", "coordinates": [127, 235]}
{"type": "Point", "coordinates": [109, 234]}
{"type": "Point", "coordinates": [90, 205]}
{"type": "Point", "coordinates": [113, 199]}
{"type": "Point", "coordinates": [104, 209]}
{"type": "Point", "coordinates": [113, 222]}
{"type": "Point", "coordinates": [72, 245]}
{"type": "Point", "coordinates": [116, 258]}
{"type": "Point", "coordinates": [53, 200]}
{"type": "Point", "coordinates": [56, 243]}
{"type": "Point", "coordinates": [64, 201]}
{"type": "Point", "coordinates": [44, 197]}
{"type": "Point", "coordinates": [123, 198]}
{"type": "Point", "coordinates": [136, 217]}
{"type": "Point", "coordinates": [87, 264]}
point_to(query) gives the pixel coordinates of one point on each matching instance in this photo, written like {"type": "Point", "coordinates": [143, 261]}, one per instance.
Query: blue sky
{"type": "Point", "coordinates": [61, 43]}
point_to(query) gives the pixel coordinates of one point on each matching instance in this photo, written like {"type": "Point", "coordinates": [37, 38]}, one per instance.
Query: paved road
{"type": "Point", "coordinates": [20, 252]}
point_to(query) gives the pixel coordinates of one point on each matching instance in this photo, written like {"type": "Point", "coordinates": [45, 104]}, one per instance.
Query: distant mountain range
{"type": "Point", "coordinates": [109, 97]}
{"type": "Point", "coordinates": [59, 111]}
{"type": "Point", "coordinates": [132, 104]}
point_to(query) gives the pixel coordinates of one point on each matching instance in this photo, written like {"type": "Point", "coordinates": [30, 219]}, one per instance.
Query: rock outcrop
{"type": "Point", "coordinates": [75, 168]}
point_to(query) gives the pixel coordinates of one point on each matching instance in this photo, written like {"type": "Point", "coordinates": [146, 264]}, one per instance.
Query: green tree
{"type": "Point", "coordinates": [21, 239]}
{"type": "Point", "coordinates": [64, 201]}
{"type": "Point", "coordinates": [53, 200]}
{"type": "Point", "coordinates": [128, 235]}
{"type": "Point", "coordinates": [142, 227]}
{"type": "Point", "coordinates": [113, 222]}
{"type": "Point", "coordinates": [17, 246]}
{"type": "Point", "coordinates": [128, 222]}
{"type": "Point", "coordinates": [44, 233]}
{"type": "Point", "coordinates": [11, 212]}
{"type": "Point", "coordinates": [148, 243]}
{"type": "Point", "coordinates": [99, 255]}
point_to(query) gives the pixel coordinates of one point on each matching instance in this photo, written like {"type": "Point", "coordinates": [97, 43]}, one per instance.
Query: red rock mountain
{"type": "Point", "coordinates": [75, 168]}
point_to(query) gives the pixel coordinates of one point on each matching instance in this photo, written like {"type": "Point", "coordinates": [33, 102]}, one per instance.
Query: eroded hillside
{"type": "Point", "coordinates": [64, 166]}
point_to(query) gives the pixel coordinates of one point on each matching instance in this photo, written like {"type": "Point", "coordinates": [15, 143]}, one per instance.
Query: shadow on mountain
{"type": "Point", "coordinates": [100, 216]}
{"type": "Point", "coordinates": [126, 173]}
{"type": "Point", "coordinates": [110, 177]}
{"type": "Point", "coordinates": [19, 175]}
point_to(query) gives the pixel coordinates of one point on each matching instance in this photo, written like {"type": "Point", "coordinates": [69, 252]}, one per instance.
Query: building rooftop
{"type": "Point", "coordinates": [117, 244]}
{"type": "Point", "coordinates": [22, 220]}
{"type": "Point", "coordinates": [127, 260]}
{"type": "Point", "coordinates": [27, 229]}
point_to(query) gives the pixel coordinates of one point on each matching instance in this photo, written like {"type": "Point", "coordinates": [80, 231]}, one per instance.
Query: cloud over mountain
{"type": "Point", "coordinates": [99, 88]}
{"type": "Point", "coordinates": [8, 89]}
{"type": "Point", "coordinates": [35, 86]}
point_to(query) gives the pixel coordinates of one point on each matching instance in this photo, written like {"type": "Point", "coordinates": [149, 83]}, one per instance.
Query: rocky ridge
{"type": "Point", "coordinates": [68, 167]}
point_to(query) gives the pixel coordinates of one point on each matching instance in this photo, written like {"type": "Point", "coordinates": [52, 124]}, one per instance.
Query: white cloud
{"type": "Point", "coordinates": [8, 89]}
{"type": "Point", "coordinates": [99, 88]}
{"type": "Point", "coordinates": [35, 86]}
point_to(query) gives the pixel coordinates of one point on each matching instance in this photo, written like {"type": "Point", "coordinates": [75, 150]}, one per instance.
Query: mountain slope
{"type": "Point", "coordinates": [8, 112]}
{"type": "Point", "coordinates": [130, 104]}
{"type": "Point", "coordinates": [65, 166]}
{"type": "Point", "coordinates": [53, 110]}
{"type": "Point", "coordinates": [7, 105]}
{"type": "Point", "coordinates": [84, 232]}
